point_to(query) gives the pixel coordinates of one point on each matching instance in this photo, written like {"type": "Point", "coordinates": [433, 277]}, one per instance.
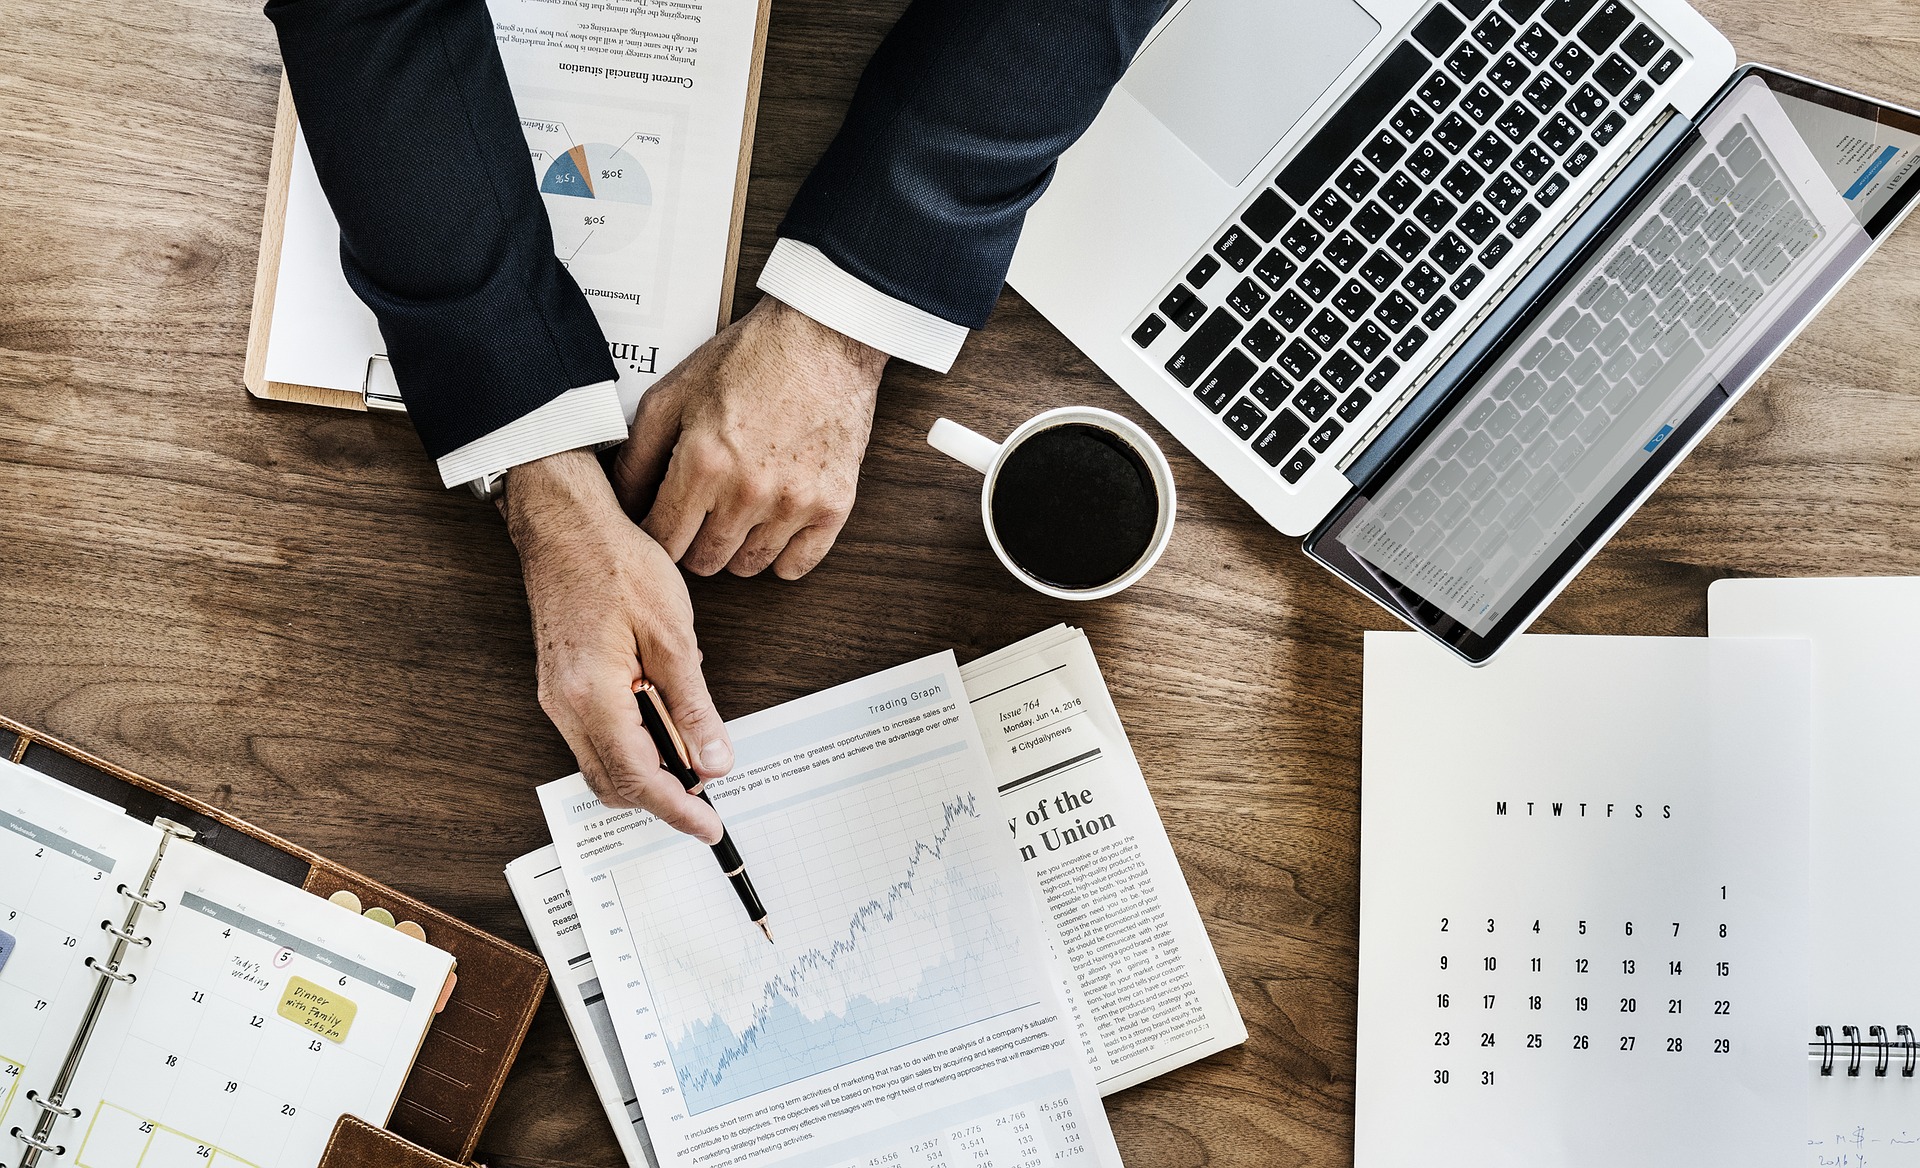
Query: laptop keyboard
{"type": "Point", "coordinates": [1421, 186]}
{"type": "Point", "coordinates": [1588, 387]}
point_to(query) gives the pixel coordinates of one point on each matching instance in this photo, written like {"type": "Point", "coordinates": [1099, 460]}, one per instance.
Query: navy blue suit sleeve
{"type": "Point", "coordinates": [406, 110]}
{"type": "Point", "coordinates": [953, 133]}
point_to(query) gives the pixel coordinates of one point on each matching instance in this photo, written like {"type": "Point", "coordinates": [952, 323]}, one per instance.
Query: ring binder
{"type": "Point", "coordinates": [128, 937]}
{"type": "Point", "coordinates": [1823, 1048]}
{"type": "Point", "coordinates": [103, 971]}
{"type": "Point", "coordinates": [155, 905]}
{"type": "Point", "coordinates": [33, 1097]}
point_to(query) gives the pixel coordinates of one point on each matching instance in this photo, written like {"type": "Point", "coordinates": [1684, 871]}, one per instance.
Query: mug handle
{"type": "Point", "coordinates": [956, 441]}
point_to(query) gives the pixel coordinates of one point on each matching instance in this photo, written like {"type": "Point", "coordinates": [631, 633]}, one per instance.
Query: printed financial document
{"type": "Point", "coordinates": [905, 1013]}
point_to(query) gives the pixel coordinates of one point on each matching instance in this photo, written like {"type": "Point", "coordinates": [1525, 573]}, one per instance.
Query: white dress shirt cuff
{"type": "Point", "coordinates": [801, 275]}
{"type": "Point", "coordinates": [587, 416]}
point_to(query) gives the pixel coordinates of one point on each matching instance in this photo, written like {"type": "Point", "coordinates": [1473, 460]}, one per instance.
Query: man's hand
{"type": "Point", "coordinates": [608, 603]}
{"type": "Point", "coordinates": [754, 443]}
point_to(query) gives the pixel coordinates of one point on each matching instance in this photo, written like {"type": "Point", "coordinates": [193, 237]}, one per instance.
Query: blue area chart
{"type": "Point", "coordinates": [808, 1017]}
{"type": "Point", "coordinates": [598, 171]}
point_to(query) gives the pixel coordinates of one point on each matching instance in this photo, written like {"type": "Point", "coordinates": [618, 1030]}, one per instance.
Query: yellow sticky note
{"type": "Point", "coordinates": [318, 1009]}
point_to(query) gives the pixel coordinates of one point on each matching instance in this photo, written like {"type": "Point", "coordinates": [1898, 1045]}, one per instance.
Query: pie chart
{"type": "Point", "coordinates": [598, 171]}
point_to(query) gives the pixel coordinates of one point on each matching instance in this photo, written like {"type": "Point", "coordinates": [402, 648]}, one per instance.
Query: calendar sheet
{"type": "Point", "coordinates": [1584, 887]}
{"type": "Point", "coordinates": [63, 855]}
{"type": "Point", "coordinates": [259, 1016]}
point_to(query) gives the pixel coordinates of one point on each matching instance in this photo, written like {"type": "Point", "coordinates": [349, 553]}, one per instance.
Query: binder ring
{"type": "Point", "coordinates": [155, 905]}
{"type": "Point", "coordinates": [29, 1141]}
{"type": "Point", "coordinates": [33, 1097]}
{"type": "Point", "coordinates": [1879, 1036]}
{"type": "Point", "coordinates": [129, 938]}
{"type": "Point", "coordinates": [1913, 1050]}
{"type": "Point", "coordinates": [103, 971]}
{"type": "Point", "coordinates": [1825, 1034]}
{"type": "Point", "coordinates": [1852, 1035]}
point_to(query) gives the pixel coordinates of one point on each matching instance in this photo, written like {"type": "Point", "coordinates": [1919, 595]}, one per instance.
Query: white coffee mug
{"type": "Point", "coordinates": [987, 456]}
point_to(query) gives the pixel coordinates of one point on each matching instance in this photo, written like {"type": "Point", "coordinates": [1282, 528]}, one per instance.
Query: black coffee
{"type": "Point", "coordinates": [1075, 506]}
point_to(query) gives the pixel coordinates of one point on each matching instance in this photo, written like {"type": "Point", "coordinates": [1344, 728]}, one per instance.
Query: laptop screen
{"type": "Point", "coordinates": [1697, 287]}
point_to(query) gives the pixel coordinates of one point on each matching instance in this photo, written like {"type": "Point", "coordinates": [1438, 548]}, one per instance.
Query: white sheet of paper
{"type": "Point", "coordinates": [1550, 849]}
{"type": "Point", "coordinates": [1866, 813]}
{"type": "Point", "coordinates": [904, 1016]}
{"type": "Point", "coordinates": [1123, 935]}
{"type": "Point", "coordinates": [633, 117]}
{"type": "Point", "coordinates": [63, 856]}
{"type": "Point", "coordinates": [200, 1061]}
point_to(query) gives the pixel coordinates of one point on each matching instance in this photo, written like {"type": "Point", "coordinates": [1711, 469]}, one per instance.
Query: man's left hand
{"type": "Point", "coordinates": [754, 443]}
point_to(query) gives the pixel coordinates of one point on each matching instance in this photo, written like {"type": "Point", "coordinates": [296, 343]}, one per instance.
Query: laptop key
{"type": "Point", "coordinates": [1200, 273]}
{"type": "Point", "coordinates": [1504, 193]}
{"type": "Point", "coordinates": [1411, 121]}
{"type": "Point", "coordinates": [1466, 61]}
{"type": "Point", "coordinates": [1636, 98]}
{"type": "Point", "coordinates": [1642, 44]}
{"type": "Point", "coordinates": [1356, 403]}
{"type": "Point", "coordinates": [1301, 239]}
{"type": "Point", "coordinates": [1490, 151]}
{"type": "Point", "coordinates": [1271, 390]}
{"type": "Point", "coordinates": [1345, 251]}
{"type": "Point", "coordinates": [1437, 314]}
{"type": "Point", "coordinates": [1423, 281]}
{"type": "Point", "coordinates": [1395, 311]}
{"type": "Point", "coordinates": [1408, 242]}
{"type": "Point", "coordinates": [1266, 215]}
{"type": "Point", "coordinates": [1204, 346]}
{"type": "Point", "coordinates": [1608, 22]}
{"type": "Point", "coordinates": [1523, 220]}
{"type": "Point", "coordinates": [1183, 308]}
{"type": "Point", "coordinates": [1520, 9]}
{"type": "Point", "coordinates": [1248, 298]}
{"type": "Point", "coordinates": [1275, 268]}
{"type": "Point", "coordinates": [1478, 223]}
{"type": "Point", "coordinates": [1353, 122]}
{"type": "Point", "coordinates": [1493, 33]}
{"type": "Point", "coordinates": [1533, 163]}
{"type": "Point", "coordinates": [1317, 281]}
{"type": "Point", "coordinates": [1357, 179]}
{"type": "Point", "coordinates": [1571, 62]}
{"type": "Point", "coordinates": [1509, 73]}
{"type": "Point", "coordinates": [1496, 250]}
{"type": "Point", "coordinates": [1587, 103]}
{"type": "Point", "coordinates": [1614, 74]}
{"type": "Point", "coordinates": [1410, 344]}
{"type": "Point", "coordinates": [1290, 310]}
{"type": "Point", "coordinates": [1551, 190]}
{"type": "Point", "coordinates": [1244, 418]}
{"type": "Point", "coordinates": [1564, 14]}
{"type": "Point", "coordinates": [1371, 222]}
{"type": "Point", "coordinates": [1454, 132]}
{"type": "Point", "coordinates": [1451, 252]}
{"type": "Point", "coordinates": [1368, 341]}
{"type": "Point", "coordinates": [1325, 435]}
{"type": "Point", "coordinates": [1380, 271]}
{"type": "Point", "coordinates": [1228, 377]}
{"type": "Point", "coordinates": [1481, 102]}
{"type": "Point", "coordinates": [1438, 92]}
{"type": "Point", "coordinates": [1341, 370]}
{"type": "Point", "coordinates": [1238, 247]}
{"type": "Point", "coordinates": [1462, 181]}
{"type": "Point", "coordinates": [1280, 437]}
{"type": "Point", "coordinates": [1353, 300]}
{"type": "Point", "coordinates": [1383, 151]}
{"type": "Point", "coordinates": [1536, 45]}
{"type": "Point", "coordinates": [1263, 341]}
{"type": "Point", "coordinates": [1559, 133]}
{"type": "Point", "coordinates": [1609, 126]}
{"type": "Point", "coordinates": [1149, 329]}
{"type": "Point", "coordinates": [1296, 466]}
{"type": "Point", "coordinates": [1434, 211]}
{"type": "Point", "coordinates": [1326, 329]}
{"type": "Point", "coordinates": [1581, 158]}
{"type": "Point", "coordinates": [1438, 29]}
{"type": "Point", "coordinates": [1664, 67]}
{"type": "Point", "coordinates": [1517, 122]}
{"type": "Point", "coordinates": [1330, 210]}
{"type": "Point", "coordinates": [1426, 163]}
{"type": "Point", "coordinates": [1313, 400]}
{"type": "Point", "coordinates": [1299, 359]}
{"type": "Point", "coordinates": [1464, 283]}
{"type": "Point", "coordinates": [1544, 92]}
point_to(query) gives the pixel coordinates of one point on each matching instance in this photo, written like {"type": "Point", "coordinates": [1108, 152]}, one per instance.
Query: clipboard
{"type": "Point", "coordinates": [379, 391]}
{"type": "Point", "coordinates": [464, 1060]}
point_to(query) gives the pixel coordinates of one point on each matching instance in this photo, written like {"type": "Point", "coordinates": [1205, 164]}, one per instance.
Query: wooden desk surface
{"type": "Point", "coordinates": [278, 609]}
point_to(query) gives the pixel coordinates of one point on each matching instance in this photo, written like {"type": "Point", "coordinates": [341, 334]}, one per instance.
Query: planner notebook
{"type": "Point", "coordinates": [639, 127]}
{"type": "Point", "coordinates": [1584, 932]}
{"type": "Point", "coordinates": [1864, 1001]}
{"type": "Point", "coordinates": [166, 1004]}
{"type": "Point", "coordinates": [174, 1069]}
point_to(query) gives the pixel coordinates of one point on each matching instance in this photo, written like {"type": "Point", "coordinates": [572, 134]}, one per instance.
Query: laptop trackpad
{"type": "Point", "coordinates": [1231, 77]}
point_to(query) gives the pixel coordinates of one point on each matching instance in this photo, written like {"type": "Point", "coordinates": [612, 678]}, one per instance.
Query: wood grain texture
{"type": "Point", "coordinates": [276, 608]}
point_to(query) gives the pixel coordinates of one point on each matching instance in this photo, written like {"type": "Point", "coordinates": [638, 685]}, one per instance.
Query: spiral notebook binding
{"type": "Point", "coordinates": [1824, 1047]}
{"type": "Point", "coordinates": [53, 1107]}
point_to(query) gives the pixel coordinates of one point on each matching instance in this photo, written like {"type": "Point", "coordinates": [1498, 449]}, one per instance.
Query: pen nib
{"type": "Point", "coordinates": [767, 931]}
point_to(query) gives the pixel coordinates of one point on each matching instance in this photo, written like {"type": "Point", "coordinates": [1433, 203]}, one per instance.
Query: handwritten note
{"type": "Point", "coordinates": [322, 1011]}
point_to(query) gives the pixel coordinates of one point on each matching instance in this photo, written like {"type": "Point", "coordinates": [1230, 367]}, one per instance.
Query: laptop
{"type": "Point", "coordinates": [1450, 286]}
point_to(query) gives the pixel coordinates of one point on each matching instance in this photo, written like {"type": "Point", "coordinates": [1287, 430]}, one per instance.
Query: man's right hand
{"type": "Point", "coordinates": [607, 604]}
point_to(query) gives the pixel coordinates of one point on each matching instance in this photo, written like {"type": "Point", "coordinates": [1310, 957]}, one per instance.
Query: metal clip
{"type": "Point", "coordinates": [1879, 1036]}
{"type": "Point", "coordinates": [129, 938]}
{"type": "Point", "coordinates": [33, 1097]}
{"type": "Point", "coordinates": [29, 1141]}
{"type": "Point", "coordinates": [155, 905]}
{"type": "Point", "coordinates": [1852, 1035]}
{"type": "Point", "coordinates": [1905, 1034]}
{"type": "Point", "coordinates": [103, 971]}
{"type": "Point", "coordinates": [1825, 1034]}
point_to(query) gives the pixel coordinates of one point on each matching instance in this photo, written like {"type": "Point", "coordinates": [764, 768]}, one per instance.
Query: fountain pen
{"type": "Point", "coordinates": [675, 760]}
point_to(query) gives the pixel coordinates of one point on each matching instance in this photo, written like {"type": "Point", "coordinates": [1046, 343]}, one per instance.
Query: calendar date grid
{"type": "Point", "coordinates": [1520, 983]}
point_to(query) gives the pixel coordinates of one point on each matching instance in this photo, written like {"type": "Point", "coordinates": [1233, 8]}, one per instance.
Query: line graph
{"type": "Point", "coordinates": [889, 916]}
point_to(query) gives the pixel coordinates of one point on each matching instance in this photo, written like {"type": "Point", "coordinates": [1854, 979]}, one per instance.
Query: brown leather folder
{"type": "Point", "coordinates": [472, 1043]}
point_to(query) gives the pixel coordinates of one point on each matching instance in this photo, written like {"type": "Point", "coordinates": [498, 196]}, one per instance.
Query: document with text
{"type": "Point", "coordinates": [1141, 978]}
{"type": "Point", "coordinates": [906, 1013]}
